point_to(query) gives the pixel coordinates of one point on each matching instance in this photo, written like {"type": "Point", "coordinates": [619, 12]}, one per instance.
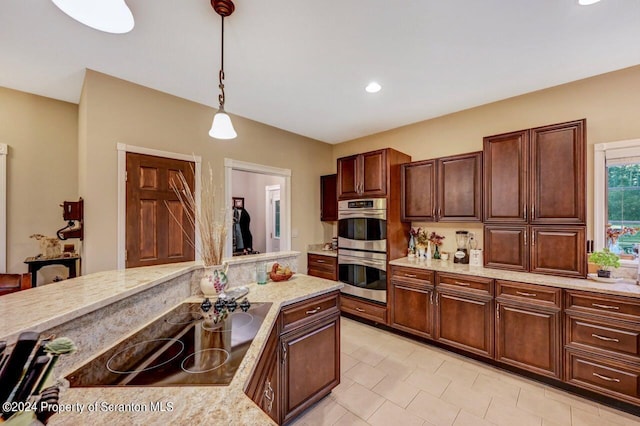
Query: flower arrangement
{"type": "Point", "coordinates": [421, 237]}
{"type": "Point", "coordinates": [210, 220]}
{"type": "Point", "coordinates": [614, 233]}
{"type": "Point", "coordinates": [436, 239]}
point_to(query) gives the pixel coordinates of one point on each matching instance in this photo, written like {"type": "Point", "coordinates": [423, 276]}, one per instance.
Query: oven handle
{"type": "Point", "coordinates": [371, 214]}
{"type": "Point", "coordinates": [363, 262]}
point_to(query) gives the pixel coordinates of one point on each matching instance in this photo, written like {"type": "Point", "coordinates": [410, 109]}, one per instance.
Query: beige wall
{"type": "Point", "coordinates": [42, 135]}
{"type": "Point", "coordinates": [609, 102]}
{"type": "Point", "coordinates": [115, 111]}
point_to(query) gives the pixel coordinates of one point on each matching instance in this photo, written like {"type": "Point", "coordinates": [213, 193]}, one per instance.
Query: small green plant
{"type": "Point", "coordinates": [605, 259]}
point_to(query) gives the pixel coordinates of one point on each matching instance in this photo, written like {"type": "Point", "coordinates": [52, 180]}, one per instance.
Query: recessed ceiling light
{"type": "Point", "coordinates": [587, 2]}
{"type": "Point", "coordinates": [110, 16]}
{"type": "Point", "coordinates": [373, 87]}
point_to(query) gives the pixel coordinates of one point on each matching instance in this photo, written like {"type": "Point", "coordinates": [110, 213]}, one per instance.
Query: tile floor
{"type": "Point", "coordinates": [392, 380]}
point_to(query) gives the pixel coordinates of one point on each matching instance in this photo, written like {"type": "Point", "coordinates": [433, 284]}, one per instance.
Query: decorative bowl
{"type": "Point", "coordinates": [279, 277]}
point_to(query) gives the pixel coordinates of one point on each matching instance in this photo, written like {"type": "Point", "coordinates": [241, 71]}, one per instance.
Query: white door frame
{"type": "Point", "coordinates": [285, 194]}
{"type": "Point", "coordinates": [4, 149]}
{"type": "Point", "coordinates": [268, 217]}
{"type": "Point", "coordinates": [122, 191]}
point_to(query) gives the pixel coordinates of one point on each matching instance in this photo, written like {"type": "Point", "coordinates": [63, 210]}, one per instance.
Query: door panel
{"type": "Point", "coordinates": [460, 188]}
{"type": "Point", "coordinates": [348, 178]}
{"type": "Point", "coordinates": [155, 221]}
{"type": "Point", "coordinates": [559, 250]}
{"type": "Point", "coordinates": [506, 247]}
{"type": "Point", "coordinates": [374, 175]}
{"type": "Point", "coordinates": [418, 182]}
{"type": "Point", "coordinates": [465, 322]}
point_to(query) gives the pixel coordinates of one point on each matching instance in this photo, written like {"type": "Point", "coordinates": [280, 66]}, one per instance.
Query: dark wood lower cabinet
{"type": "Point", "coordinates": [412, 307]}
{"type": "Point", "coordinates": [311, 365]}
{"type": "Point", "coordinates": [300, 363]}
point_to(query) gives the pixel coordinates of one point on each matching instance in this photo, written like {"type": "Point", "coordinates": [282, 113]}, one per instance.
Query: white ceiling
{"type": "Point", "coordinates": [303, 65]}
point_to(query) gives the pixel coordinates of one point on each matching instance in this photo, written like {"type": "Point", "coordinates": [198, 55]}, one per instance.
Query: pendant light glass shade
{"type": "Point", "coordinates": [111, 16]}
{"type": "Point", "coordinates": [222, 128]}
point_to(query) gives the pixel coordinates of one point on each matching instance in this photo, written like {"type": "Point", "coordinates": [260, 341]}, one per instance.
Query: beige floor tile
{"type": "Point", "coordinates": [399, 392]}
{"type": "Point", "coordinates": [425, 359]}
{"type": "Point", "coordinates": [547, 408]}
{"type": "Point", "coordinates": [468, 419]}
{"type": "Point", "coordinates": [468, 399]}
{"type": "Point", "coordinates": [428, 382]}
{"type": "Point", "coordinates": [346, 362]}
{"type": "Point", "coordinates": [504, 414]}
{"type": "Point", "coordinates": [346, 346]}
{"type": "Point", "coordinates": [432, 409]}
{"type": "Point", "coordinates": [350, 419]}
{"type": "Point", "coordinates": [573, 400]}
{"type": "Point", "coordinates": [394, 367]}
{"type": "Point", "coordinates": [324, 413]}
{"type": "Point", "coordinates": [457, 373]}
{"type": "Point", "coordinates": [365, 374]}
{"type": "Point", "coordinates": [583, 418]}
{"type": "Point", "coordinates": [546, 422]}
{"type": "Point", "coordinates": [493, 386]}
{"type": "Point", "coordinates": [618, 417]}
{"type": "Point", "coordinates": [369, 355]}
{"type": "Point", "coordinates": [345, 383]}
{"type": "Point", "coordinates": [391, 414]}
{"type": "Point", "coordinates": [359, 400]}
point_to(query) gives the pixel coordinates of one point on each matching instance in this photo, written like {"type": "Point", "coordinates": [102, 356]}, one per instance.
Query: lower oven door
{"type": "Point", "coordinates": [363, 274]}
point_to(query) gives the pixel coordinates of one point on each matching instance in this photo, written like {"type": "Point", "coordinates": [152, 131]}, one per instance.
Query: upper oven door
{"type": "Point", "coordinates": [362, 234]}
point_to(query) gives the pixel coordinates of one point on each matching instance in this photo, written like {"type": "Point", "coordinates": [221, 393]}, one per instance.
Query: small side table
{"type": "Point", "coordinates": [35, 263]}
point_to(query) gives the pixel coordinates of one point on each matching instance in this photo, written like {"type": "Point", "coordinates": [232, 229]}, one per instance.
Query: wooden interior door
{"type": "Point", "coordinates": [153, 235]}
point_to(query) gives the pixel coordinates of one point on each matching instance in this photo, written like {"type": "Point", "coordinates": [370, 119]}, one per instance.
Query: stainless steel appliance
{"type": "Point", "coordinates": [362, 248]}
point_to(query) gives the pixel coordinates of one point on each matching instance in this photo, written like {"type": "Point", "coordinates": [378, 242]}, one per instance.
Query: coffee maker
{"type": "Point", "coordinates": [462, 252]}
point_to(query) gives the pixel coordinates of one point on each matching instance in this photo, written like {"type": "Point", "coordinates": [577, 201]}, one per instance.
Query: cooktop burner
{"type": "Point", "coordinates": [190, 345]}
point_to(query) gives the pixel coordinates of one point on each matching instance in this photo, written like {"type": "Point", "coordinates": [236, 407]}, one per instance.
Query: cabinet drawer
{"type": "Point", "coordinates": [611, 306]}
{"type": "Point", "coordinates": [604, 336]}
{"type": "Point", "coordinates": [316, 261]}
{"type": "Point", "coordinates": [301, 313]}
{"type": "Point", "coordinates": [363, 309]}
{"type": "Point", "coordinates": [466, 282]}
{"type": "Point", "coordinates": [603, 376]}
{"type": "Point", "coordinates": [323, 273]}
{"type": "Point", "coordinates": [529, 293]}
{"type": "Point", "coordinates": [401, 272]}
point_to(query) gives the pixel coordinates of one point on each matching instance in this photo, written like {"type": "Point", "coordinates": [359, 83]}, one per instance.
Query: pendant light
{"type": "Point", "coordinates": [222, 128]}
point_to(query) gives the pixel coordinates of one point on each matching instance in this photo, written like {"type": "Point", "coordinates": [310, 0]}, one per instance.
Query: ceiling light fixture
{"type": "Point", "coordinates": [110, 16]}
{"type": "Point", "coordinates": [222, 128]}
{"type": "Point", "coordinates": [587, 2]}
{"type": "Point", "coordinates": [373, 87]}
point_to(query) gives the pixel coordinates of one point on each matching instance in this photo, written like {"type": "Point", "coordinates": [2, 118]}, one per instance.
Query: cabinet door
{"type": "Point", "coordinates": [558, 188]}
{"type": "Point", "coordinates": [348, 177]}
{"type": "Point", "coordinates": [460, 188]}
{"type": "Point", "coordinates": [418, 191]}
{"type": "Point", "coordinates": [263, 388]}
{"type": "Point", "coordinates": [559, 250]}
{"type": "Point", "coordinates": [465, 321]}
{"type": "Point", "coordinates": [528, 337]}
{"type": "Point", "coordinates": [506, 247]}
{"type": "Point", "coordinates": [411, 308]}
{"type": "Point", "coordinates": [374, 174]}
{"type": "Point", "coordinates": [329, 198]}
{"type": "Point", "coordinates": [310, 365]}
{"type": "Point", "coordinates": [505, 177]}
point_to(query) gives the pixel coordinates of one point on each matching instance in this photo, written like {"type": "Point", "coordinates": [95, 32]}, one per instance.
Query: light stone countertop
{"type": "Point", "coordinates": [42, 308]}
{"type": "Point", "coordinates": [625, 287]}
{"type": "Point", "coordinates": [319, 250]}
{"type": "Point", "coordinates": [194, 405]}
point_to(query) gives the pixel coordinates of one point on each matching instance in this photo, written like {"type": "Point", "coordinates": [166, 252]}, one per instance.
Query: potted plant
{"type": "Point", "coordinates": [605, 261]}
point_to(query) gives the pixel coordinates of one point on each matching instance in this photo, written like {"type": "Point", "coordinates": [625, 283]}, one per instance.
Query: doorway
{"type": "Point", "coordinates": [272, 222]}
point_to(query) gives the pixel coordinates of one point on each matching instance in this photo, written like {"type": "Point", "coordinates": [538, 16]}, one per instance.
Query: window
{"type": "Point", "coordinates": [617, 197]}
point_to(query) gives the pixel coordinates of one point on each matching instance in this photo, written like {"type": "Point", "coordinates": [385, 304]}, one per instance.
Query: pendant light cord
{"type": "Point", "coordinates": [221, 73]}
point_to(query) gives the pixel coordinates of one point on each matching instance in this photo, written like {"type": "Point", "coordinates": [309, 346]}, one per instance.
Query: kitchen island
{"type": "Point", "coordinates": [85, 322]}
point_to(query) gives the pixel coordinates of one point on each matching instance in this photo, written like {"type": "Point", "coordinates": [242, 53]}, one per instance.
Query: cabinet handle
{"type": "Point", "coordinates": [606, 339]}
{"type": "Point", "coordinates": [598, 305]}
{"type": "Point", "coordinates": [533, 212]}
{"type": "Point", "coordinates": [319, 260]}
{"type": "Point", "coordinates": [314, 311]}
{"type": "Point", "coordinates": [433, 212]}
{"type": "Point", "coordinates": [497, 311]}
{"type": "Point", "coordinates": [522, 293]}
{"type": "Point", "coordinates": [284, 352]}
{"type": "Point", "coordinates": [524, 210]}
{"type": "Point", "coordinates": [525, 238]}
{"type": "Point", "coordinates": [533, 239]}
{"type": "Point", "coordinates": [608, 379]}
{"type": "Point", "coordinates": [462, 284]}
{"type": "Point", "coordinates": [431, 298]}
{"type": "Point", "coordinates": [439, 212]}
{"type": "Point", "coordinates": [437, 298]}
{"type": "Point", "coordinates": [268, 395]}
{"type": "Point", "coordinates": [360, 310]}
{"type": "Point", "coordinates": [410, 275]}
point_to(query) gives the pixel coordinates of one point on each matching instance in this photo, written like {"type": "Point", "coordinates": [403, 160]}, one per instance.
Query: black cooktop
{"type": "Point", "coordinates": [184, 347]}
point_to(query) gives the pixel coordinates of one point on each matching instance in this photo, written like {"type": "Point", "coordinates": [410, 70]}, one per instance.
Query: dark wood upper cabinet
{"type": "Point", "coordinates": [558, 188]}
{"type": "Point", "coordinates": [447, 189]}
{"type": "Point", "coordinates": [329, 197]}
{"type": "Point", "coordinates": [506, 247]}
{"type": "Point", "coordinates": [558, 250]}
{"type": "Point", "coordinates": [363, 175]}
{"type": "Point", "coordinates": [536, 176]}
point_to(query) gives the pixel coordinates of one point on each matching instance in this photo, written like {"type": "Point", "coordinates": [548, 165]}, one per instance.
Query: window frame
{"type": "Point", "coordinates": [603, 152]}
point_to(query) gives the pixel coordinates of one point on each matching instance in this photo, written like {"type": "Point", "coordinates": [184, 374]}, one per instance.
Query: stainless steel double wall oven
{"type": "Point", "coordinates": [362, 248]}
